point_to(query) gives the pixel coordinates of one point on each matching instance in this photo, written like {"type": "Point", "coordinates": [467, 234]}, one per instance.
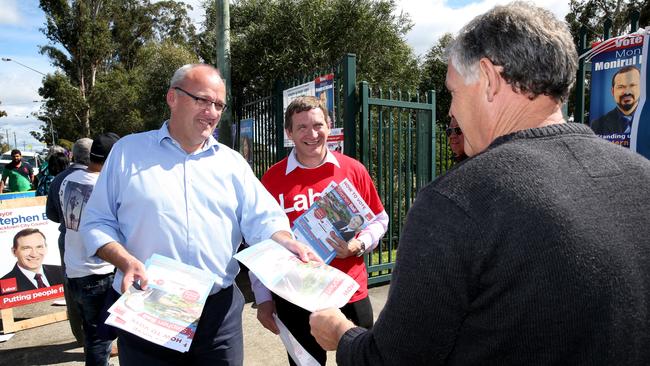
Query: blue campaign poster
{"type": "Point", "coordinates": [246, 139]}
{"type": "Point", "coordinates": [616, 88]}
{"type": "Point", "coordinates": [640, 136]}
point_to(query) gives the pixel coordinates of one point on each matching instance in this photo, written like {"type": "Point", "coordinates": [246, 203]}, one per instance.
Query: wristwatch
{"type": "Point", "coordinates": [362, 251]}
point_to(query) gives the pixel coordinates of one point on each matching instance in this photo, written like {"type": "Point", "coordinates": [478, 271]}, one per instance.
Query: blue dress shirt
{"type": "Point", "coordinates": [153, 197]}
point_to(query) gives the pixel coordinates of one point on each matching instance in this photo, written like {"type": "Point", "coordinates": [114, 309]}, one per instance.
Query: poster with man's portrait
{"type": "Point", "coordinates": [30, 264]}
{"type": "Point", "coordinates": [616, 88]}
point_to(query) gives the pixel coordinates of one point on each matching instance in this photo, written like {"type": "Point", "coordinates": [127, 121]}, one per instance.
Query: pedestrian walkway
{"type": "Point", "coordinates": [54, 344]}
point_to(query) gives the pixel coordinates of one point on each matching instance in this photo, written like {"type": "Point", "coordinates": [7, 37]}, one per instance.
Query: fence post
{"type": "Point", "coordinates": [364, 94]}
{"type": "Point", "coordinates": [279, 120]}
{"type": "Point", "coordinates": [349, 104]}
{"type": "Point", "coordinates": [580, 79]}
{"type": "Point", "coordinates": [432, 101]}
{"type": "Point", "coordinates": [607, 28]}
{"type": "Point", "coordinates": [634, 20]}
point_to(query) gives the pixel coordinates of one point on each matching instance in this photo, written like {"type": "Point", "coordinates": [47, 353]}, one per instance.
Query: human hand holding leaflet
{"type": "Point", "coordinates": [311, 285]}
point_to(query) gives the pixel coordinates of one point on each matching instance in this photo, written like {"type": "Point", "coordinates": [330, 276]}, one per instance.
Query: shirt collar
{"type": "Point", "coordinates": [30, 274]}
{"type": "Point", "coordinates": [293, 163]}
{"type": "Point", "coordinates": [163, 134]}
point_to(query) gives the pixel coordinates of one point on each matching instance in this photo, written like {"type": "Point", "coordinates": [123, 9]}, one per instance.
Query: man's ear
{"type": "Point", "coordinates": [170, 97]}
{"type": "Point", "coordinates": [492, 76]}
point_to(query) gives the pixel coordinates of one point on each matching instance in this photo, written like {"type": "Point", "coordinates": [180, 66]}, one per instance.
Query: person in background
{"type": "Point", "coordinates": [57, 161]}
{"type": "Point", "coordinates": [297, 181]}
{"type": "Point", "coordinates": [19, 173]}
{"type": "Point", "coordinates": [88, 278]}
{"type": "Point", "coordinates": [191, 199]}
{"type": "Point", "coordinates": [534, 251]}
{"type": "Point", "coordinates": [80, 160]}
{"type": "Point", "coordinates": [456, 142]}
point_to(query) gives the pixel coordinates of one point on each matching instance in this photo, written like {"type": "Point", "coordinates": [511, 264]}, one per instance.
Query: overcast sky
{"type": "Point", "coordinates": [20, 37]}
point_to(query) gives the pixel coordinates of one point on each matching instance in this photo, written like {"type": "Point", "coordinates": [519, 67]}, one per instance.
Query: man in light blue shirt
{"type": "Point", "coordinates": [179, 193]}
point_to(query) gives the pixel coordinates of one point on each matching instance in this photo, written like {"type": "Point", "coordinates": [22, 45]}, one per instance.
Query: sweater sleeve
{"type": "Point", "coordinates": [430, 290]}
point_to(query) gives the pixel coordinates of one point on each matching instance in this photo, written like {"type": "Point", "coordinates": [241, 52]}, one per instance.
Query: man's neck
{"type": "Point", "coordinates": [311, 162]}
{"type": "Point", "coordinates": [526, 114]}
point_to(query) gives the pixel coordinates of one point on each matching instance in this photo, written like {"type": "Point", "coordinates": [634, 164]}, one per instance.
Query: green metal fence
{"type": "Point", "coordinates": [397, 145]}
{"type": "Point", "coordinates": [393, 134]}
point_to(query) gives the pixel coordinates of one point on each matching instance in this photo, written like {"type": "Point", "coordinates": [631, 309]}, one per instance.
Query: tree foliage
{"type": "Point", "coordinates": [434, 72]}
{"type": "Point", "coordinates": [281, 39]}
{"type": "Point", "coordinates": [2, 113]}
{"type": "Point", "coordinates": [98, 46]}
{"type": "Point", "coordinates": [592, 14]}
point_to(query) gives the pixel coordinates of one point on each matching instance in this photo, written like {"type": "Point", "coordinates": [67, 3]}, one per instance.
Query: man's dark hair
{"type": "Point", "coordinates": [302, 104]}
{"type": "Point", "coordinates": [27, 232]}
{"type": "Point", "coordinates": [16, 151]}
{"type": "Point", "coordinates": [623, 71]}
{"type": "Point", "coordinates": [57, 163]}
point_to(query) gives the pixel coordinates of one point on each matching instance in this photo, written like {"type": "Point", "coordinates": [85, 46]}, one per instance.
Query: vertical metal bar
{"type": "Point", "coordinates": [607, 28]}
{"type": "Point", "coordinates": [365, 132]}
{"type": "Point", "coordinates": [634, 20]}
{"type": "Point", "coordinates": [390, 171]}
{"type": "Point", "coordinates": [349, 104]}
{"type": "Point", "coordinates": [432, 155]}
{"type": "Point", "coordinates": [278, 119]}
{"type": "Point", "coordinates": [580, 79]}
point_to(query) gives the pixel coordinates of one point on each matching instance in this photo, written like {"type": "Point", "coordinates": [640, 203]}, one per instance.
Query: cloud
{"type": "Point", "coordinates": [433, 18]}
{"type": "Point", "coordinates": [9, 13]}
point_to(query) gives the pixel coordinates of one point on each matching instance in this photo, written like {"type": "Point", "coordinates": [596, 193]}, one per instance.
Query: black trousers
{"type": "Point", "coordinates": [297, 321]}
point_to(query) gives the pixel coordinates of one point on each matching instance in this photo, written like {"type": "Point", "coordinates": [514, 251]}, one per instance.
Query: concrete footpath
{"type": "Point", "coordinates": [54, 344]}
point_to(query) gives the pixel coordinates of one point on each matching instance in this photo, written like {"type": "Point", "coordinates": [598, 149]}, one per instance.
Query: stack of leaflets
{"type": "Point", "coordinates": [167, 312]}
{"type": "Point", "coordinates": [340, 211]}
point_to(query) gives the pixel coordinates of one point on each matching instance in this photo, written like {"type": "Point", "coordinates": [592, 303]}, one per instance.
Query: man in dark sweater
{"type": "Point", "coordinates": [535, 250]}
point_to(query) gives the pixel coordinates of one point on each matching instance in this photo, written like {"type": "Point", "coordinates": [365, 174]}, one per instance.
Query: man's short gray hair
{"type": "Point", "coordinates": [534, 48]}
{"type": "Point", "coordinates": [181, 73]}
{"type": "Point", "coordinates": [81, 151]}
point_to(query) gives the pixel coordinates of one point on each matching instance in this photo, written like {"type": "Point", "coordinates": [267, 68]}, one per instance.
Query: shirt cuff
{"type": "Point", "coordinates": [262, 294]}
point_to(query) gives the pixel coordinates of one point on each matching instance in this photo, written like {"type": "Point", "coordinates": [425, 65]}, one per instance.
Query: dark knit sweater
{"type": "Point", "coordinates": [534, 252]}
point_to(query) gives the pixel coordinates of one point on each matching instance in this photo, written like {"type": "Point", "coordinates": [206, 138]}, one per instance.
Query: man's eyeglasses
{"type": "Point", "coordinates": [204, 103]}
{"type": "Point", "coordinates": [455, 130]}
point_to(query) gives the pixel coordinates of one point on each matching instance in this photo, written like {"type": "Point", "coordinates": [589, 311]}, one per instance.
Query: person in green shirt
{"type": "Point", "coordinates": [20, 174]}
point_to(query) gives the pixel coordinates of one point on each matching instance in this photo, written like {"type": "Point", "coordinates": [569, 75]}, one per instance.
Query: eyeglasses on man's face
{"type": "Point", "coordinates": [204, 103]}
{"type": "Point", "coordinates": [455, 130]}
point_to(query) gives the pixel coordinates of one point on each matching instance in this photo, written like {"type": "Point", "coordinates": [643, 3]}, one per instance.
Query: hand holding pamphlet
{"type": "Point", "coordinates": [312, 285]}
{"type": "Point", "coordinates": [167, 312]}
{"type": "Point", "coordinates": [340, 210]}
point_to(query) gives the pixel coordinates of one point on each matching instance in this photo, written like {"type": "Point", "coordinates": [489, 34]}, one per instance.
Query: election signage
{"type": "Point", "coordinates": [246, 139]}
{"type": "Point", "coordinates": [640, 136]}
{"type": "Point", "coordinates": [30, 269]}
{"type": "Point", "coordinates": [322, 87]}
{"type": "Point", "coordinates": [616, 87]}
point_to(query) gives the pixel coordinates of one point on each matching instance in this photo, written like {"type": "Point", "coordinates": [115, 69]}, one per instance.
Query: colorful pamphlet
{"type": "Point", "coordinates": [340, 211]}
{"type": "Point", "coordinates": [167, 312]}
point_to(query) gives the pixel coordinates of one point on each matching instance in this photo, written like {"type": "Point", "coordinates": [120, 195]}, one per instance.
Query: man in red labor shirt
{"type": "Point", "coordinates": [296, 182]}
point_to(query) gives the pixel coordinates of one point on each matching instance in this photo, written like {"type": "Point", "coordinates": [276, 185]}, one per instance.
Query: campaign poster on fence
{"type": "Point", "coordinates": [31, 271]}
{"type": "Point", "coordinates": [640, 136]}
{"type": "Point", "coordinates": [324, 90]}
{"type": "Point", "coordinates": [246, 139]}
{"type": "Point", "coordinates": [321, 87]}
{"type": "Point", "coordinates": [616, 88]}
